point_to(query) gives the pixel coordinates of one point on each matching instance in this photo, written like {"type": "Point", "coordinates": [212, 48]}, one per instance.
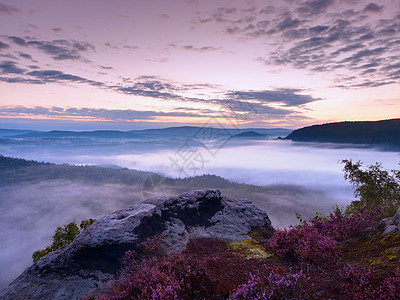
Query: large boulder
{"type": "Point", "coordinates": [93, 258]}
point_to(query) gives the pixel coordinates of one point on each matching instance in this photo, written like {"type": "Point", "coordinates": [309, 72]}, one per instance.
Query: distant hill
{"type": "Point", "coordinates": [183, 132]}
{"type": "Point", "coordinates": [12, 132]}
{"type": "Point", "coordinates": [385, 132]}
{"type": "Point", "coordinates": [250, 135]}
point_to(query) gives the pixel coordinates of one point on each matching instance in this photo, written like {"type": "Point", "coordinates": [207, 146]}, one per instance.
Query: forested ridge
{"type": "Point", "coordinates": [385, 132]}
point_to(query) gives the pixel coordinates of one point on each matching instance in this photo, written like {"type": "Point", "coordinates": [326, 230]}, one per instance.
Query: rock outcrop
{"type": "Point", "coordinates": [93, 258]}
{"type": "Point", "coordinates": [391, 224]}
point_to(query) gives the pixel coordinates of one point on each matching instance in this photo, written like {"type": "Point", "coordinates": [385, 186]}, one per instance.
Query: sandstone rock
{"type": "Point", "coordinates": [93, 258]}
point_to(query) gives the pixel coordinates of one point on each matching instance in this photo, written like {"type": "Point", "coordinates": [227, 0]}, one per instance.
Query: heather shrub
{"type": "Point", "coordinates": [357, 282]}
{"type": "Point", "coordinates": [361, 283]}
{"type": "Point", "coordinates": [173, 277]}
{"type": "Point", "coordinates": [273, 283]}
{"type": "Point", "coordinates": [227, 269]}
{"type": "Point", "coordinates": [206, 270]}
{"type": "Point", "coordinates": [316, 241]}
{"type": "Point", "coordinates": [390, 288]}
{"type": "Point", "coordinates": [305, 244]}
{"type": "Point", "coordinates": [340, 226]}
{"type": "Point", "coordinates": [152, 247]}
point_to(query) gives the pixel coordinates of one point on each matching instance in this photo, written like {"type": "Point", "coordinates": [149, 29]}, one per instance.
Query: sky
{"type": "Point", "coordinates": [130, 64]}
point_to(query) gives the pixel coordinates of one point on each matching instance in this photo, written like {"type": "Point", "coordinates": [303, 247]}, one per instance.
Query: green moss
{"type": "Point", "coordinates": [250, 248]}
{"type": "Point", "coordinates": [381, 253]}
{"type": "Point", "coordinates": [261, 234]}
{"type": "Point", "coordinates": [392, 254]}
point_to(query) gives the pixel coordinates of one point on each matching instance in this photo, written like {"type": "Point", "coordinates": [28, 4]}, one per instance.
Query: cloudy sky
{"type": "Point", "coordinates": [128, 64]}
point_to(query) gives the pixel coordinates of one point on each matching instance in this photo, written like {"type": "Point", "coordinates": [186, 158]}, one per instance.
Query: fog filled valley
{"type": "Point", "coordinates": [94, 174]}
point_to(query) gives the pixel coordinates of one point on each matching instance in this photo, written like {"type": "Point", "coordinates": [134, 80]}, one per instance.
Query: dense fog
{"type": "Point", "coordinates": [300, 177]}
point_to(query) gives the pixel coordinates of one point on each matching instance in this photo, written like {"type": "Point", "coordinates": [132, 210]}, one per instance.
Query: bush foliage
{"type": "Point", "coordinates": [62, 237]}
{"type": "Point", "coordinates": [374, 186]}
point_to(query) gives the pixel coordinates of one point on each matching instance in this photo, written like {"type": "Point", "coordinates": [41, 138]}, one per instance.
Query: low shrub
{"type": "Point", "coordinates": [316, 241]}
{"type": "Point", "coordinates": [63, 236]}
{"type": "Point", "coordinates": [273, 283]}
{"type": "Point", "coordinates": [362, 283]}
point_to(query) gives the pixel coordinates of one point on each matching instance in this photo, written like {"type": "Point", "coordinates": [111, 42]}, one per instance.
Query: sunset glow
{"type": "Point", "coordinates": [146, 64]}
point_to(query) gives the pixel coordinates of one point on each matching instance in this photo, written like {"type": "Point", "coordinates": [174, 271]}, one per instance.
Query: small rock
{"type": "Point", "coordinates": [390, 229]}
{"type": "Point", "coordinates": [387, 222]}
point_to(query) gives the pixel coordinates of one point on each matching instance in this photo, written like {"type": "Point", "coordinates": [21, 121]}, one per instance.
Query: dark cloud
{"type": "Point", "coordinates": [357, 57]}
{"type": "Point", "coordinates": [163, 17]}
{"type": "Point", "coordinates": [199, 49]}
{"type": "Point", "coordinates": [340, 44]}
{"type": "Point", "coordinates": [386, 31]}
{"type": "Point", "coordinates": [39, 76]}
{"type": "Point", "coordinates": [115, 45]}
{"type": "Point", "coordinates": [98, 114]}
{"type": "Point", "coordinates": [106, 67]}
{"type": "Point", "coordinates": [46, 76]}
{"type": "Point", "coordinates": [295, 34]}
{"type": "Point", "coordinates": [320, 36]}
{"type": "Point", "coordinates": [132, 47]}
{"type": "Point", "coordinates": [372, 7]}
{"type": "Point", "coordinates": [263, 24]}
{"type": "Point", "coordinates": [222, 14]}
{"type": "Point", "coordinates": [317, 29]}
{"type": "Point", "coordinates": [287, 23]}
{"type": "Point", "coordinates": [9, 56]}
{"type": "Point", "coordinates": [9, 67]}
{"type": "Point", "coordinates": [233, 104]}
{"type": "Point", "coordinates": [61, 49]}
{"type": "Point", "coordinates": [241, 109]}
{"type": "Point", "coordinates": [57, 29]}
{"type": "Point", "coordinates": [288, 97]}
{"type": "Point", "coordinates": [368, 71]}
{"type": "Point", "coordinates": [369, 83]}
{"type": "Point", "coordinates": [348, 48]}
{"type": "Point", "coordinates": [154, 83]}
{"type": "Point", "coordinates": [149, 86]}
{"type": "Point", "coordinates": [19, 80]}
{"type": "Point", "coordinates": [138, 90]}
{"type": "Point", "coordinates": [229, 15]}
{"type": "Point", "coordinates": [162, 60]}
{"type": "Point", "coordinates": [57, 49]}
{"type": "Point", "coordinates": [4, 46]}
{"type": "Point", "coordinates": [8, 9]}
{"type": "Point", "coordinates": [314, 7]}
{"type": "Point", "coordinates": [25, 55]}
{"type": "Point", "coordinates": [395, 66]}
{"type": "Point", "coordinates": [17, 40]}
{"type": "Point", "coordinates": [365, 37]}
{"type": "Point", "coordinates": [267, 10]}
